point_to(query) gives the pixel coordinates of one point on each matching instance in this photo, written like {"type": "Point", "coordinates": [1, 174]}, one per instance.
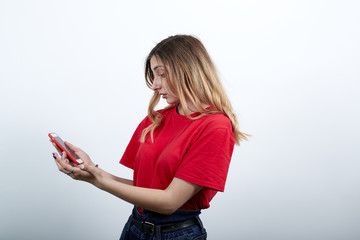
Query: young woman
{"type": "Point", "coordinates": [180, 155]}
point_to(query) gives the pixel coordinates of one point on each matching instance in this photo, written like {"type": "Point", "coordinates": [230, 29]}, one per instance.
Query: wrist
{"type": "Point", "coordinates": [99, 179]}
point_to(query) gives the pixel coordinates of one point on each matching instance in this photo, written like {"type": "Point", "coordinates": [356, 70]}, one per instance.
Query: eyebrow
{"type": "Point", "coordinates": [156, 67]}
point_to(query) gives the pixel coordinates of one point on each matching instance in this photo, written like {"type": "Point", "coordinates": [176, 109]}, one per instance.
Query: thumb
{"type": "Point", "coordinates": [88, 168]}
{"type": "Point", "coordinates": [72, 147]}
{"type": "Point", "coordinates": [82, 167]}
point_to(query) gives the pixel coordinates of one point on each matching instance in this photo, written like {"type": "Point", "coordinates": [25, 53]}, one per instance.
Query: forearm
{"type": "Point", "coordinates": [118, 179]}
{"type": "Point", "coordinates": [151, 199]}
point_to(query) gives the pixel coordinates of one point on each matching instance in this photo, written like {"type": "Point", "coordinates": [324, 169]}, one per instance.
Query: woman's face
{"type": "Point", "coordinates": [160, 83]}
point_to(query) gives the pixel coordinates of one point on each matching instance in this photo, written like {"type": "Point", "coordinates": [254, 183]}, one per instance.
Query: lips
{"type": "Point", "coordinates": [164, 95]}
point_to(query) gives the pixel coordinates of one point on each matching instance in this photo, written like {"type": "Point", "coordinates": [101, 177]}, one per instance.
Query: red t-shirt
{"type": "Point", "coordinates": [197, 151]}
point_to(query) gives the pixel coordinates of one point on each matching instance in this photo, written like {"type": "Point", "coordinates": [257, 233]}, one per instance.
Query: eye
{"type": "Point", "coordinates": [162, 75]}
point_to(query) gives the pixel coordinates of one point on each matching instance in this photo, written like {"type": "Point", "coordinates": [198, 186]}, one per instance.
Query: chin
{"type": "Point", "coordinates": [172, 101]}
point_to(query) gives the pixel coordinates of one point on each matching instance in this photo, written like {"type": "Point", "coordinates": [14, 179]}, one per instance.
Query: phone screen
{"type": "Point", "coordinates": [59, 140]}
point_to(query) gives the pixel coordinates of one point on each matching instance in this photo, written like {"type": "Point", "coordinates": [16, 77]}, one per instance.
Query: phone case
{"type": "Point", "coordinates": [60, 143]}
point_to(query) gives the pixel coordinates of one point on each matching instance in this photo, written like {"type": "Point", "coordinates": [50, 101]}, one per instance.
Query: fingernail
{"type": "Point", "coordinates": [62, 153]}
{"type": "Point", "coordinates": [54, 155]}
{"type": "Point", "coordinates": [82, 167]}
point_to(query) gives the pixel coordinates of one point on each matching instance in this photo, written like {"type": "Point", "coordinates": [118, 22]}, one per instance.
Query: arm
{"type": "Point", "coordinates": [118, 179]}
{"type": "Point", "coordinates": [87, 159]}
{"type": "Point", "coordinates": [162, 201]}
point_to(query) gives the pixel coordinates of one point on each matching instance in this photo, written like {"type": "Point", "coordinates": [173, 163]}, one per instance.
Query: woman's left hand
{"type": "Point", "coordinates": [88, 171]}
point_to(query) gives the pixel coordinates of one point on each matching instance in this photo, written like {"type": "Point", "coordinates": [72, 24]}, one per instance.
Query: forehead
{"type": "Point", "coordinates": [156, 63]}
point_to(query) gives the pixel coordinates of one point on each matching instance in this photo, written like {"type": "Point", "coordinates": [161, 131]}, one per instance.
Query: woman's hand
{"type": "Point", "coordinates": [88, 171]}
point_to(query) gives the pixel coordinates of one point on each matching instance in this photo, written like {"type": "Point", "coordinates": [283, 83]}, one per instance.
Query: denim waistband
{"type": "Point", "coordinates": [157, 218]}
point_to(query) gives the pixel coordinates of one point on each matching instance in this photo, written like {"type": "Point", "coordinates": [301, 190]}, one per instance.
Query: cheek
{"type": "Point", "coordinates": [168, 89]}
{"type": "Point", "coordinates": [164, 84]}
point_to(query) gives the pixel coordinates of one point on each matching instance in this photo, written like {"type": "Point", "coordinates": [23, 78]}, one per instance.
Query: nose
{"type": "Point", "coordinates": [156, 85]}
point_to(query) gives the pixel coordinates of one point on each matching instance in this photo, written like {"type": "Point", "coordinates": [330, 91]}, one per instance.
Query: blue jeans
{"type": "Point", "coordinates": [194, 232]}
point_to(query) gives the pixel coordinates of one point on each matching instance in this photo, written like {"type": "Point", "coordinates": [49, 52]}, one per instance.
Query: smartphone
{"type": "Point", "coordinates": [69, 153]}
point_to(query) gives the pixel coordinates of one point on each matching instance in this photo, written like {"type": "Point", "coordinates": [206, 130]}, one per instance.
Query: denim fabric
{"type": "Point", "coordinates": [195, 232]}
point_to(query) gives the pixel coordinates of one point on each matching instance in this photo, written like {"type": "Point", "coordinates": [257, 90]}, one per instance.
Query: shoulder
{"type": "Point", "coordinates": [147, 121]}
{"type": "Point", "coordinates": [166, 110]}
{"type": "Point", "coordinates": [216, 120]}
{"type": "Point", "coordinates": [214, 127]}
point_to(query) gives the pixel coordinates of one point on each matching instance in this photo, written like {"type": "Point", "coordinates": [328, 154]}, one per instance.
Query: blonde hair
{"type": "Point", "coordinates": [190, 74]}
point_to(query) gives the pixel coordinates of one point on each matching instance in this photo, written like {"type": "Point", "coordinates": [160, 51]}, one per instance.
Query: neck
{"type": "Point", "coordinates": [191, 108]}
{"type": "Point", "coordinates": [181, 111]}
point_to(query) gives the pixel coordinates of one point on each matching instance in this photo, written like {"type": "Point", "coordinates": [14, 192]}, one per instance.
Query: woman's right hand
{"type": "Point", "coordinates": [77, 172]}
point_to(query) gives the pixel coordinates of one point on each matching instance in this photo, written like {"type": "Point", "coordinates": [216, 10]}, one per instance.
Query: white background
{"type": "Point", "coordinates": [291, 69]}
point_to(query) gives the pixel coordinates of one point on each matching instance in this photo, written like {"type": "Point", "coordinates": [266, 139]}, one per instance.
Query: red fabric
{"type": "Point", "coordinates": [197, 151]}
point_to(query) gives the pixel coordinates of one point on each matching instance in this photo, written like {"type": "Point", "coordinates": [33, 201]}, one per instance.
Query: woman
{"type": "Point", "coordinates": [180, 155]}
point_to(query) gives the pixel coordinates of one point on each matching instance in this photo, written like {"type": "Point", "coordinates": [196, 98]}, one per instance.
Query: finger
{"type": "Point", "coordinates": [62, 163]}
{"type": "Point", "coordinates": [57, 148]}
{"type": "Point", "coordinates": [73, 164]}
{"type": "Point", "coordinates": [65, 159]}
{"type": "Point", "coordinates": [62, 168]}
{"type": "Point", "coordinates": [72, 147]}
{"type": "Point", "coordinates": [63, 156]}
{"type": "Point", "coordinates": [79, 174]}
{"type": "Point", "coordinates": [78, 152]}
{"type": "Point", "coordinates": [91, 168]}
{"type": "Point", "coordinates": [57, 164]}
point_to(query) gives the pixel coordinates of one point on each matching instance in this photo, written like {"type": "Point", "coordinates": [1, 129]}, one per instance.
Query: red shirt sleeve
{"type": "Point", "coordinates": [132, 148]}
{"type": "Point", "coordinates": [207, 161]}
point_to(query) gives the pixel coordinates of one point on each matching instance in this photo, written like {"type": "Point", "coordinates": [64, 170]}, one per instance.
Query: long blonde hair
{"type": "Point", "coordinates": [190, 74]}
